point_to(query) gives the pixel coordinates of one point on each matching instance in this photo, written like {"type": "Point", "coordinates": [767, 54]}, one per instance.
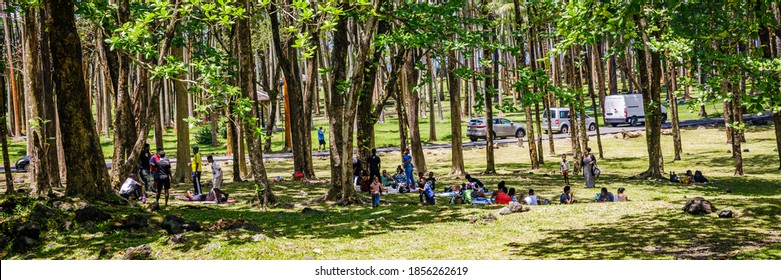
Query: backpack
{"type": "Point", "coordinates": [164, 167]}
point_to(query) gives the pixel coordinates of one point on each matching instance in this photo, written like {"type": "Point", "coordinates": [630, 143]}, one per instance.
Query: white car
{"type": "Point", "coordinates": [476, 129]}
{"type": "Point", "coordinates": [626, 108]}
{"type": "Point", "coordinates": [560, 120]}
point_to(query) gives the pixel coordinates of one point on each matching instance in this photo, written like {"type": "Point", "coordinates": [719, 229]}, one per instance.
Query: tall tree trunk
{"type": "Point", "coordinates": [777, 124]}
{"type": "Point", "coordinates": [247, 85]}
{"type": "Point", "coordinates": [295, 112]}
{"type": "Point", "coordinates": [9, 179]}
{"type": "Point", "coordinates": [673, 97]}
{"type": "Point", "coordinates": [649, 63]}
{"type": "Point", "coordinates": [41, 148]}
{"type": "Point", "coordinates": [569, 67]}
{"type": "Point", "coordinates": [432, 124]}
{"type": "Point", "coordinates": [454, 90]}
{"type": "Point", "coordinates": [594, 65]}
{"type": "Point", "coordinates": [409, 76]}
{"type": "Point", "coordinates": [182, 127]}
{"type": "Point", "coordinates": [17, 124]}
{"type": "Point", "coordinates": [87, 172]}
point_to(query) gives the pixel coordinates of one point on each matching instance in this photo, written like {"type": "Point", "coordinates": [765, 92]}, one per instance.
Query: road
{"type": "Point", "coordinates": [605, 130]}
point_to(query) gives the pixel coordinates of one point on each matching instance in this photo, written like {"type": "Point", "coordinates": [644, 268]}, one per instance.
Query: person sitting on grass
{"type": "Point", "coordinates": [566, 197]}
{"type": "Point", "coordinates": [604, 196]}
{"type": "Point", "coordinates": [688, 179]}
{"type": "Point", "coordinates": [131, 187]}
{"type": "Point", "coordinates": [400, 179]}
{"type": "Point", "coordinates": [364, 181]}
{"type": "Point", "coordinates": [500, 196]}
{"type": "Point", "coordinates": [386, 180]}
{"type": "Point", "coordinates": [427, 192]}
{"type": "Point", "coordinates": [531, 199]}
{"type": "Point", "coordinates": [699, 178]}
{"type": "Point", "coordinates": [621, 197]}
{"type": "Point", "coordinates": [511, 194]}
{"type": "Point", "coordinates": [475, 182]}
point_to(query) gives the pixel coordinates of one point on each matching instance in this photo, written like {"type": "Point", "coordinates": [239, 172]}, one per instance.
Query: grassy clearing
{"type": "Point", "coordinates": [651, 226]}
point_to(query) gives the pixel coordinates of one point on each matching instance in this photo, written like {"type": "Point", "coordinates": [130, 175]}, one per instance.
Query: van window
{"type": "Point", "coordinates": [564, 114]}
{"type": "Point", "coordinates": [506, 121]}
{"type": "Point", "coordinates": [552, 113]}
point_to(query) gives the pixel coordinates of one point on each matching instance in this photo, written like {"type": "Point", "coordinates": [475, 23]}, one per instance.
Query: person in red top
{"type": "Point", "coordinates": [501, 195]}
{"type": "Point", "coordinates": [153, 168]}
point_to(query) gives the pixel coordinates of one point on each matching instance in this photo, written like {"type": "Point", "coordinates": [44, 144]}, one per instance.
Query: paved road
{"type": "Point", "coordinates": [605, 130]}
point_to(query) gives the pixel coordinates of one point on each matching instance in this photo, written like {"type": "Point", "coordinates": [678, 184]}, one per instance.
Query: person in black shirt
{"type": "Point", "coordinates": [143, 165]}
{"type": "Point", "coordinates": [374, 165]}
{"type": "Point", "coordinates": [357, 169]}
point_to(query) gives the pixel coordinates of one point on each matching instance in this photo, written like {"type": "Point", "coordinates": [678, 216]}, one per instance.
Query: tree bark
{"type": "Point", "coordinates": [11, 77]}
{"type": "Point", "coordinates": [432, 124]}
{"type": "Point", "coordinates": [409, 76]}
{"type": "Point", "coordinates": [182, 127]}
{"type": "Point", "coordinates": [9, 178]}
{"type": "Point", "coordinates": [454, 90]}
{"type": "Point", "coordinates": [87, 172]}
{"type": "Point", "coordinates": [247, 85]}
{"type": "Point", "coordinates": [777, 124]}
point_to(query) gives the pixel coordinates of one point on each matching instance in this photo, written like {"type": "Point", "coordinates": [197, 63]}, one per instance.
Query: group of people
{"type": "Point", "coordinates": [159, 167]}
{"type": "Point", "coordinates": [568, 197]}
{"type": "Point", "coordinates": [377, 182]}
{"type": "Point", "coordinates": [590, 169]}
{"type": "Point", "coordinates": [689, 178]}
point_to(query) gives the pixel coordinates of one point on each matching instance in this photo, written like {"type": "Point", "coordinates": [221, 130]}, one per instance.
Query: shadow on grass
{"type": "Point", "coordinates": [670, 234]}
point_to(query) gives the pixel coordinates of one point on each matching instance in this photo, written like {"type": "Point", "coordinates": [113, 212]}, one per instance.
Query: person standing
{"type": "Point", "coordinates": [374, 165]}
{"type": "Point", "coordinates": [217, 169]}
{"type": "Point", "coordinates": [321, 139]}
{"type": "Point", "coordinates": [143, 167]}
{"type": "Point", "coordinates": [163, 176]}
{"type": "Point", "coordinates": [564, 168]}
{"type": "Point", "coordinates": [406, 161]}
{"type": "Point", "coordinates": [587, 163]}
{"type": "Point", "coordinates": [154, 170]}
{"type": "Point", "coordinates": [377, 189]}
{"type": "Point", "coordinates": [197, 167]}
{"type": "Point", "coordinates": [357, 170]}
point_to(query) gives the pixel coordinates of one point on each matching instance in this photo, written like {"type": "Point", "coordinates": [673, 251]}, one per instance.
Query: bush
{"type": "Point", "coordinates": [204, 135]}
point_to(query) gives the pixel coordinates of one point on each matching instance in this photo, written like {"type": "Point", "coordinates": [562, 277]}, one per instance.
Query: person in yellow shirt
{"type": "Point", "coordinates": [197, 167]}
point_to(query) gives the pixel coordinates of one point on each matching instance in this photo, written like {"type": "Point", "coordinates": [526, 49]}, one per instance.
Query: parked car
{"type": "Point", "coordinates": [626, 109]}
{"type": "Point", "coordinates": [476, 129]}
{"type": "Point", "coordinates": [560, 120]}
{"type": "Point", "coordinates": [22, 164]}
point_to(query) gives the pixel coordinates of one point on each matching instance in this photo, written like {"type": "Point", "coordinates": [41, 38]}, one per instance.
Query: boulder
{"type": "Point", "coordinates": [142, 252]}
{"type": "Point", "coordinates": [745, 150]}
{"type": "Point", "coordinates": [311, 211]}
{"type": "Point", "coordinates": [177, 239]}
{"type": "Point", "coordinates": [191, 226]}
{"type": "Point", "coordinates": [88, 213]}
{"type": "Point", "coordinates": [40, 213]}
{"type": "Point", "coordinates": [62, 206]}
{"type": "Point", "coordinates": [513, 207]}
{"type": "Point", "coordinates": [172, 224]}
{"type": "Point", "coordinates": [28, 229]}
{"type": "Point", "coordinates": [132, 221]}
{"type": "Point", "coordinates": [244, 226]}
{"type": "Point", "coordinates": [258, 237]}
{"type": "Point", "coordinates": [698, 205]}
{"type": "Point", "coordinates": [23, 244]}
{"type": "Point", "coordinates": [154, 206]}
{"type": "Point", "coordinates": [725, 214]}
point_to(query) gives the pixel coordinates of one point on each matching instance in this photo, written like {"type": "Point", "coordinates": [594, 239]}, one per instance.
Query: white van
{"type": "Point", "coordinates": [626, 108]}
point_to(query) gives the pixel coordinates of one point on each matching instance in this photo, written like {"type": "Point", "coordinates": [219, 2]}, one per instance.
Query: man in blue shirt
{"type": "Point", "coordinates": [406, 161]}
{"type": "Point", "coordinates": [428, 191]}
{"type": "Point", "coordinates": [321, 139]}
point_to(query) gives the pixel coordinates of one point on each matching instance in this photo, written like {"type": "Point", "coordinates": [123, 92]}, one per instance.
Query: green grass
{"type": "Point", "coordinates": [651, 226]}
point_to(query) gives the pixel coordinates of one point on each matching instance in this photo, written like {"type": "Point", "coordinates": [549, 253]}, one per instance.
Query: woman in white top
{"type": "Point", "coordinates": [531, 199]}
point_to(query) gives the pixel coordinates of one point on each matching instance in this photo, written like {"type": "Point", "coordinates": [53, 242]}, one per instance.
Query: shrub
{"type": "Point", "coordinates": [204, 135]}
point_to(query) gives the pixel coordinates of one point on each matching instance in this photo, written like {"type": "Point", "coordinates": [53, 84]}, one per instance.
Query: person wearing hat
{"type": "Point", "coordinates": [197, 168]}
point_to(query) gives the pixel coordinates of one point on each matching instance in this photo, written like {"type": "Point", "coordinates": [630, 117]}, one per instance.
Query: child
{"type": "Point", "coordinates": [428, 192]}
{"type": "Point", "coordinates": [566, 196]}
{"type": "Point", "coordinates": [621, 197]}
{"type": "Point", "coordinates": [531, 199]}
{"type": "Point", "coordinates": [688, 179]}
{"type": "Point", "coordinates": [377, 189]}
{"type": "Point", "coordinates": [511, 193]}
{"type": "Point", "coordinates": [564, 168]}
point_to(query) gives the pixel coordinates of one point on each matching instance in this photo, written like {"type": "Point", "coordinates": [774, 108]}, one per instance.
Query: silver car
{"type": "Point", "coordinates": [476, 129]}
{"type": "Point", "coordinates": [560, 120]}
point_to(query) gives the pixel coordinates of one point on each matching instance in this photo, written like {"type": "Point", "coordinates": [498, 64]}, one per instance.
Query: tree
{"type": "Point", "coordinates": [9, 178]}
{"type": "Point", "coordinates": [87, 174]}
{"type": "Point", "coordinates": [182, 127]}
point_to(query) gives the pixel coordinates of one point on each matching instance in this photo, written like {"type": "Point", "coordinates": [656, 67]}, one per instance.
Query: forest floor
{"type": "Point", "coordinates": [650, 226]}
